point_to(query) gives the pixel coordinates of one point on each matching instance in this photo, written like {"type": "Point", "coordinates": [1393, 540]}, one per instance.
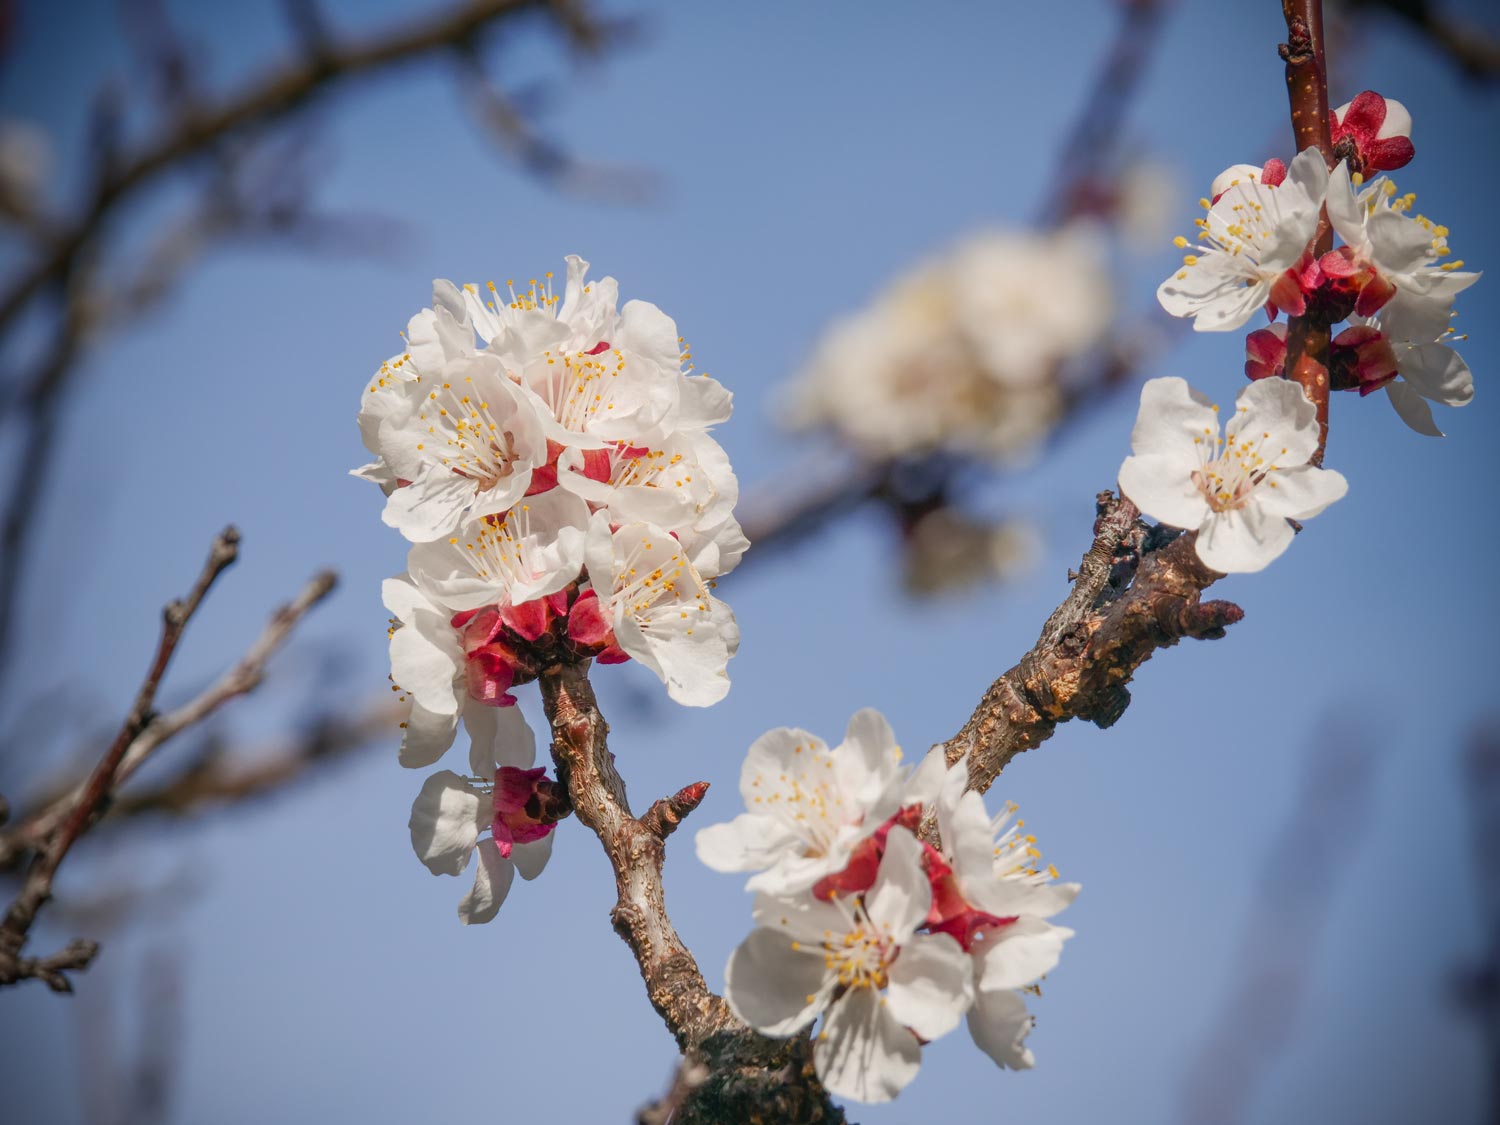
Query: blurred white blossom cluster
{"type": "Point", "coordinates": [862, 922]}
{"type": "Point", "coordinates": [963, 354]}
{"type": "Point", "coordinates": [549, 459]}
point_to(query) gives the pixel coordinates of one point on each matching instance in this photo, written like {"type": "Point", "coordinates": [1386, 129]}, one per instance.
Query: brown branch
{"type": "Point", "coordinates": [262, 103]}
{"type": "Point", "coordinates": [216, 777]}
{"type": "Point", "coordinates": [1309, 336]}
{"type": "Point", "coordinates": [89, 803]}
{"type": "Point", "coordinates": [1136, 591]}
{"type": "Point", "coordinates": [750, 1076]}
{"type": "Point", "coordinates": [1093, 141]}
{"type": "Point", "coordinates": [140, 734]}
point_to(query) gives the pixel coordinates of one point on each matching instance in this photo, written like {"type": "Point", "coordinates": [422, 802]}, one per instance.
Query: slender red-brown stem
{"type": "Point", "coordinates": [1309, 336]}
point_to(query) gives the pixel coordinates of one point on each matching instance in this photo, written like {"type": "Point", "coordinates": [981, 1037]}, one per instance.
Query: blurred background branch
{"type": "Point", "coordinates": [251, 160]}
{"type": "Point", "coordinates": [51, 834]}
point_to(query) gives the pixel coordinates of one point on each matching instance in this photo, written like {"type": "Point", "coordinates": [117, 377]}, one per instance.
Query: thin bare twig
{"type": "Point", "coordinates": [1319, 840]}
{"type": "Point", "coordinates": [140, 734]}
{"type": "Point", "coordinates": [1475, 51]}
{"type": "Point", "coordinates": [89, 803]}
{"type": "Point", "coordinates": [213, 777]}
{"type": "Point", "coordinates": [786, 512]}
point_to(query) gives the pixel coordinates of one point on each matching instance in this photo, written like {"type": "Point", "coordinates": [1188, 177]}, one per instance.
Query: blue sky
{"type": "Point", "coordinates": [808, 154]}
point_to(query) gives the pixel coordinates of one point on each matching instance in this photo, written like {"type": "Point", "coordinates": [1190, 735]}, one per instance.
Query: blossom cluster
{"type": "Point", "coordinates": [1391, 280]}
{"type": "Point", "coordinates": [549, 459]}
{"type": "Point", "coordinates": [965, 353]}
{"type": "Point", "coordinates": [860, 920]}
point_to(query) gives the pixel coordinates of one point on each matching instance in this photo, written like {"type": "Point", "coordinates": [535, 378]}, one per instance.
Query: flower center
{"type": "Point", "coordinates": [1229, 476]}
{"type": "Point", "coordinates": [862, 957]}
{"type": "Point", "coordinates": [474, 441]}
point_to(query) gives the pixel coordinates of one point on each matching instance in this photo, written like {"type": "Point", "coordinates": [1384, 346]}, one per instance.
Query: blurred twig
{"type": "Point", "coordinates": [215, 775]}
{"type": "Point", "coordinates": [785, 510]}
{"type": "Point", "coordinates": [140, 734]}
{"type": "Point", "coordinates": [1307, 858]}
{"type": "Point", "coordinates": [62, 260]}
{"type": "Point", "coordinates": [1479, 983]}
{"type": "Point", "coordinates": [1474, 51]}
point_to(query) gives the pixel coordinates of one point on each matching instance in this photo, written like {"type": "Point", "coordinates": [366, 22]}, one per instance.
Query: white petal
{"type": "Point", "coordinates": [430, 506]}
{"type": "Point", "coordinates": [402, 598]}
{"type": "Point", "coordinates": [1344, 209]}
{"type": "Point", "coordinates": [1219, 292]}
{"type": "Point", "coordinates": [1437, 372]}
{"type": "Point", "coordinates": [1243, 542]}
{"type": "Point", "coordinates": [772, 754]}
{"type": "Point", "coordinates": [1007, 898]}
{"type": "Point", "coordinates": [498, 736]}
{"type": "Point", "coordinates": [492, 879]}
{"type": "Point", "coordinates": [445, 823]}
{"type": "Point", "coordinates": [902, 894]}
{"type": "Point", "coordinates": [927, 779]}
{"type": "Point", "coordinates": [1412, 408]}
{"type": "Point", "coordinates": [999, 1024]}
{"type": "Point", "coordinates": [1278, 414]}
{"type": "Point", "coordinates": [746, 843]}
{"type": "Point", "coordinates": [803, 916]}
{"type": "Point", "coordinates": [931, 985]}
{"type": "Point", "coordinates": [426, 660]}
{"type": "Point", "coordinates": [1170, 416]}
{"type": "Point", "coordinates": [1161, 486]}
{"type": "Point", "coordinates": [862, 1052]}
{"type": "Point", "coordinates": [1020, 954]}
{"type": "Point", "coordinates": [776, 984]}
{"type": "Point", "coordinates": [869, 764]}
{"type": "Point", "coordinates": [427, 736]}
{"type": "Point", "coordinates": [1300, 493]}
{"type": "Point", "coordinates": [531, 858]}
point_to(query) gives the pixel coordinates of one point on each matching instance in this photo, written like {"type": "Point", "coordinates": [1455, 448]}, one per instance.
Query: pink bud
{"type": "Point", "coordinates": [1362, 357]}
{"type": "Point", "coordinates": [1376, 129]}
{"type": "Point", "coordinates": [524, 806]}
{"type": "Point", "coordinates": [1265, 352]}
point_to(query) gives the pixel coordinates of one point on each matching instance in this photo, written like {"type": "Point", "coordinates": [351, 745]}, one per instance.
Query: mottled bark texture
{"type": "Point", "coordinates": [748, 1076]}
{"type": "Point", "coordinates": [1137, 590]}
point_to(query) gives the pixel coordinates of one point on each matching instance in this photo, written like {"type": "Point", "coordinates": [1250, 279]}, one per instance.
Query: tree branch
{"type": "Point", "coordinates": [140, 734]}
{"type": "Point", "coordinates": [1309, 337]}
{"type": "Point", "coordinates": [1137, 590]}
{"type": "Point", "coordinates": [750, 1077]}
{"type": "Point", "coordinates": [262, 103]}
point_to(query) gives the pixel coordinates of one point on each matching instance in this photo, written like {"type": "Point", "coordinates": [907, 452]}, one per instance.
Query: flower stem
{"type": "Point", "coordinates": [1308, 336]}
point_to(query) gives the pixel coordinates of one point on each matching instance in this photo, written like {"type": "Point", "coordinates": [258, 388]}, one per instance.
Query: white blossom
{"type": "Point", "coordinates": [427, 666]}
{"type": "Point", "coordinates": [682, 483]}
{"type": "Point", "coordinates": [1405, 251]}
{"type": "Point", "coordinates": [661, 610]}
{"type": "Point", "coordinates": [536, 549]}
{"type": "Point", "coordinates": [1009, 900]}
{"type": "Point", "coordinates": [1236, 491]}
{"type": "Point", "coordinates": [1428, 369]}
{"type": "Point", "coordinates": [860, 964]}
{"type": "Point", "coordinates": [1250, 238]}
{"type": "Point", "coordinates": [467, 438]}
{"type": "Point", "coordinates": [965, 353]}
{"type": "Point", "coordinates": [452, 812]}
{"type": "Point", "coordinates": [807, 806]}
